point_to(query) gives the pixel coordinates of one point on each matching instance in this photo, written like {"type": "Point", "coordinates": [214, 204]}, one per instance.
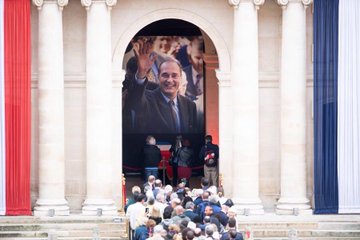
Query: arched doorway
{"type": "Point", "coordinates": [218, 50]}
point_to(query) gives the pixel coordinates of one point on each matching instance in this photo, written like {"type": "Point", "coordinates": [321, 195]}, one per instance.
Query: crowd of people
{"type": "Point", "coordinates": [160, 212]}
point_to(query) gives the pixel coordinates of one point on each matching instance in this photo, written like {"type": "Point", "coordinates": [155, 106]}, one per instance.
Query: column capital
{"type": "Point", "coordinates": [284, 3]}
{"type": "Point", "coordinates": [235, 3]}
{"type": "Point", "coordinates": [109, 3]}
{"type": "Point", "coordinates": [60, 3]}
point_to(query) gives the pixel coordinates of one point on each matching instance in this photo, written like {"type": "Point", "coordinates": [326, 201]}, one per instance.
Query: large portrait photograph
{"type": "Point", "coordinates": [163, 92]}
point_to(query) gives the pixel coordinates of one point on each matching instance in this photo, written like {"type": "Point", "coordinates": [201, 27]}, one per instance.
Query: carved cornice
{"type": "Point", "coordinates": [284, 3]}
{"type": "Point", "coordinates": [235, 3]}
{"type": "Point", "coordinates": [60, 3]}
{"type": "Point", "coordinates": [109, 3]}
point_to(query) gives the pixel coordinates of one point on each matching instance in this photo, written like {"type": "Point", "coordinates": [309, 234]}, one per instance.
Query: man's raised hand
{"type": "Point", "coordinates": [143, 50]}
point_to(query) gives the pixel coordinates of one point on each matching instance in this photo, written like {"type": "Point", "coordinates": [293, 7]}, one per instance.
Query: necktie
{"type": "Point", "coordinates": [197, 84]}
{"type": "Point", "coordinates": [175, 119]}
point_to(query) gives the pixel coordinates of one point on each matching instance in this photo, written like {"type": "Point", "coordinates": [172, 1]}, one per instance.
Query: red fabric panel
{"type": "Point", "coordinates": [17, 106]}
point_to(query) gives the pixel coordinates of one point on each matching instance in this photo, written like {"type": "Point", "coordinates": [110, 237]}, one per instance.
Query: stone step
{"type": "Point", "coordinates": [279, 225]}
{"type": "Point", "coordinates": [65, 226]}
{"type": "Point", "coordinates": [306, 233]}
{"type": "Point", "coordinates": [92, 233]}
{"type": "Point", "coordinates": [340, 225]}
{"type": "Point", "coordinates": [23, 234]}
{"type": "Point", "coordinates": [62, 219]}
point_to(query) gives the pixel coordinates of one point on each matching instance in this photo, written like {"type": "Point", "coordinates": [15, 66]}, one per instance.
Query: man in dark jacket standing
{"type": "Point", "coordinates": [210, 154]}
{"type": "Point", "coordinates": [152, 157]}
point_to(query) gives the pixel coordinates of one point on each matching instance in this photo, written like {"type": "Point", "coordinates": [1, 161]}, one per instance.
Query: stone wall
{"type": "Point", "coordinates": [128, 16]}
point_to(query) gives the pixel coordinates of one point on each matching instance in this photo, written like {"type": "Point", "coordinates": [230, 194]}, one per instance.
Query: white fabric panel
{"type": "Point", "coordinates": [2, 114]}
{"type": "Point", "coordinates": [349, 106]}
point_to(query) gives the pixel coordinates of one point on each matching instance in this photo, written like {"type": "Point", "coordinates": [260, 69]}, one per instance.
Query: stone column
{"type": "Point", "coordinates": [99, 158]}
{"type": "Point", "coordinates": [245, 113]}
{"type": "Point", "coordinates": [293, 108]}
{"type": "Point", "coordinates": [51, 110]}
{"type": "Point", "coordinates": [225, 131]}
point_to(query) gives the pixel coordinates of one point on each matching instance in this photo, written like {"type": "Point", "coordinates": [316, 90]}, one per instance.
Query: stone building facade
{"type": "Point", "coordinates": [258, 63]}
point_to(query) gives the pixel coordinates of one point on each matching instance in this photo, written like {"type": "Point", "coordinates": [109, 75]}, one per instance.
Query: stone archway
{"type": "Point", "coordinates": [221, 48]}
{"type": "Point", "coordinates": [222, 73]}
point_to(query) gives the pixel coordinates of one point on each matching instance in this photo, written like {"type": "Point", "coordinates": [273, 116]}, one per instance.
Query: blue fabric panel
{"type": "Point", "coordinates": [325, 105]}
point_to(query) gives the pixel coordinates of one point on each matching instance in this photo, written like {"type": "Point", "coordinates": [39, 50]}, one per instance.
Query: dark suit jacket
{"type": "Point", "coordinates": [191, 92]}
{"type": "Point", "coordinates": [155, 113]}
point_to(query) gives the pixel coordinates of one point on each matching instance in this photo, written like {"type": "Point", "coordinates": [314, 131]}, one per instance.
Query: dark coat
{"type": "Point", "coordinates": [141, 233]}
{"type": "Point", "coordinates": [156, 113]}
{"type": "Point", "coordinates": [152, 155]}
{"type": "Point", "coordinates": [193, 216]}
{"type": "Point", "coordinates": [209, 146]}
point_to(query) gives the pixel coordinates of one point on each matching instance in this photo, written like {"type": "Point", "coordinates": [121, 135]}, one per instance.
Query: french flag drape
{"type": "Point", "coordinates": [337, 106]}
{"type": "Point", "coordinates": [15, 103]}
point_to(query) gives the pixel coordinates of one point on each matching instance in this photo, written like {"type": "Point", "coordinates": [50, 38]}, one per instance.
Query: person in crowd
{"type": "Point", "coordinates": [179, 211]}
{"type": "Point", "coordinates": [198, 196]}
{"type": "Point", "coordinates": [145, 230]}
{"type": "Point", "coordinates": [186, 157]}
{"type": "Point", "coordinates": [200, 209]}
{"type": "Point", "coordinates": [174, 160]}
{"type": "Point", "coordinates": [152, 157]}
{"type": "Point", "coordinates": [160, 203]}
{"type": "Point", "coordinates": [210, 154]}
{"type": "Point", "coordinates": [135, 190]}
{"type": "Point", "coordinates": [231, 232]}
{"type": "Point", "coordinates": [136, 212]}
{"type": "Point", "coordinates": [209, 212]}
{"type": "Point", "coordinates": [189, 212]}
{"type": "Point", "coordinates": [157, 188]}
{"type": "Point", "coordinates": [204, 183]}
{"type": "Point", "coordinates": [150, 184]}
{"type": "Point", "coordinates": [167, 217]}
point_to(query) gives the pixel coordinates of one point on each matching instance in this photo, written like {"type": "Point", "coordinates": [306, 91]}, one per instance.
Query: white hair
{"type": "Point", "coordinates": [168, 189]}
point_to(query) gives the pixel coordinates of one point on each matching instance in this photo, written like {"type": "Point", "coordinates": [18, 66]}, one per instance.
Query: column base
{"type": "Point", "coordinates": [249, 207]}
{"type": "Point", "coordinates": [293, 206]}
{"type": "Point", "coordinates": [92, 207]}
{"type": "Point", "coordinates": [51, 207]}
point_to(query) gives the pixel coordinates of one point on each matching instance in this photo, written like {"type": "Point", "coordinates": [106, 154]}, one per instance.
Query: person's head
{"type": "Point", "coordinates": [197, 232]}
{"type": "Point", "coordinates": [205, 195]}
{"type": "Point", "coordinates": [198, 192]}
{"type": "Point", "coordinates": [151, 179]}
{"type": "Point", "coordinates": [190, 235]}
{"type": "Point", "coordinates": [150, 140]}
{"type": "Point", "coordinates": [140, 198]}
{"type": "Point", "coordinates": [135, 190]}
{"type": "Point", "coordinates": [158, 183]}
{"type": "Point", "coordinates": [150, 223]}
{"type": "Point", "coordinates": [213, 199]}
{"type": "Point", "coordinates": [232, 223]}
{"type": "Point", "coordinates": [160, 197]}
{"type": "Point", "coordinates": [209, 230]}
{"type": "Point", "coordinates": [161, 44]}
{"type": "Point", "coordinates": [232, 233]}
{"type": "Point", "coordinates": [190, 206]}
{"type": "Point", "coordinates": [208, 139]}
{"type": "Point", "coordinates": [204, 182]}
{"type": "Point", "coordinates": [170, 77]}
{"type": "Point", "coordinates": [175, 202]}
{"type": "Point", "coordinates": [150, 200]}
{"type": "Point", "coordinates": [158, 229]}
{"type": "Point", "coordinates": [186, 143]}
{"type": "Point", "coordinates": [181, 185]}
{"type": "Point", "coordinates": [167, 212]}
{"type": "Point", "coordinates": [208, 211]}
{"type": "Point", "coordinates": [179, 210]}
{"type": "Point", "coordinates": [196, 54]}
